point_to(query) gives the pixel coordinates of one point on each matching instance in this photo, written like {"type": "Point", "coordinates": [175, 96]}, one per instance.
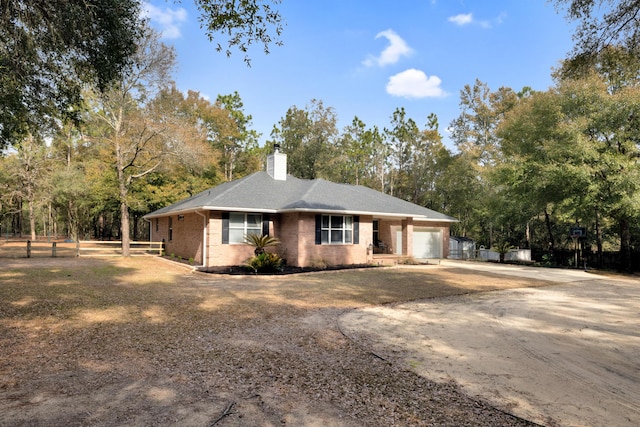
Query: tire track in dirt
{"type": "Point", "coordinates": [562, 355]}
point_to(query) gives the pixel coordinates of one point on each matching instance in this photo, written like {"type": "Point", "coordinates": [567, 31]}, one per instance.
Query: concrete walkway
{"type": "Point", "coordinates": [567, 354]}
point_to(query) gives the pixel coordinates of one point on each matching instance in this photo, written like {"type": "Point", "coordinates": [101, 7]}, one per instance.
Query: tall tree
{"type": "Point", "coordinates": [538, 174]}
{"type": "Point", "coordinates": [402, 138]}
{"type": "Point", "coordinates": [474, 133]}
{"type": "Point", "coordinates": [136, 141]}
{"type": "Point", "coordinates": [30, 164]}
{"type": "Point", "coordinates": [601, 23]}
{"type": "Point", "coordinates": [575, 149]}
{"type": "Point", "coordinates": [49, 49]}
{"type": "Point", "coordinates": [191, 165]}
{"type": "Point", "coordinates": [430, 160]}
{"type": "Point", "coordinates": [233, 136]}
{"type": "Point", "coordinates": [353, 154]}
{"type": "Point", "coordinates": [308, 137]}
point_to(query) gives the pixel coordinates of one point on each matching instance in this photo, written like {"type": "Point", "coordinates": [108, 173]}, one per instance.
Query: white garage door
{"type": "Point", "coordinates": [427, 242]}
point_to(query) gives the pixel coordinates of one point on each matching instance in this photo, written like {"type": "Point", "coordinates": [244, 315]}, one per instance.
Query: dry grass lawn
{"type": "Point", "coordinates": [143, 341]}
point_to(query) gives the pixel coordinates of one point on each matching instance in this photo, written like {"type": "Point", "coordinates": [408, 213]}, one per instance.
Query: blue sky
{"type": "Point", "coordinates": [366, 58]}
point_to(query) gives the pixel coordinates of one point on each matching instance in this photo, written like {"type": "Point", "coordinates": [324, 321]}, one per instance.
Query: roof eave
{"type": "Point", "coordinates": [302, 210]}
{"type": "Point", "coordinates": [375, 214]}
{"type": "Point", "coordinates": [208, 208]}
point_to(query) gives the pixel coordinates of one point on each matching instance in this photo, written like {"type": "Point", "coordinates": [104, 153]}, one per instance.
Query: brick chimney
{"type": "Point", "coordinates": [277, 164]}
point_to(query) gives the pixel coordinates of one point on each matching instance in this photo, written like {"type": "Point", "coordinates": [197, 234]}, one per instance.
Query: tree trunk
{"type": "Point", "coordinates": [124, 207]}
{"type": "Point", "coordinates": [135, 236]}
{"type": "Point", "coordinates": [32, 221]}
{"type": "Point", "coordinates": [598, 239]}
{"type": "Point", "coordinates": [32, 215]}
{"type": "Point", "coordinates": [124, 228]}
{"type": "Point", "coordinates": [552, 243]}
{"type": "Point", "coordinates": [625, 244]}
{"type": "Point", "coordinates": [73, 224]}
{"type": "Point", "coordinates": [16, 220]}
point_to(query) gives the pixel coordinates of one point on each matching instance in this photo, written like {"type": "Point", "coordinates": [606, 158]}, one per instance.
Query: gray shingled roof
{"type": "Point", "coordinates": [261, 193]}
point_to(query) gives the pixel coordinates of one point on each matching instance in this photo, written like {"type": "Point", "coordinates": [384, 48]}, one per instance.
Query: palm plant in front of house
{"type": "Point", "coordinates": [503, 247]}
{"type": "Point", "coordinates": [260, 241]}
{"type": "Point", "coordinates": [263, 261]}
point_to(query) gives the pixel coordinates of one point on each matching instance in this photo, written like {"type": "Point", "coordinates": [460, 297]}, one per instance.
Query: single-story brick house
{"type": "Point", "coordinates": [317, 221]}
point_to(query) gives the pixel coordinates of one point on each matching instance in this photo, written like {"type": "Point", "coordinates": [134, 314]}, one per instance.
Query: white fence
{"type": "Point", "coordinates": [512, 255]}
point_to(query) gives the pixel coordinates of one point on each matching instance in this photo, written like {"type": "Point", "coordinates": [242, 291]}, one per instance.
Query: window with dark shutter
{"type": "Point", "coordinates": [356, 230]}
{"type": "Point", "coordinates": [265, 225]}
{"type": "Point", "coordinates": [335, 229]}
{"type": "Point", "coordinates": [318, 229]}
{"type": "Point", "coordinates": [225, 228]}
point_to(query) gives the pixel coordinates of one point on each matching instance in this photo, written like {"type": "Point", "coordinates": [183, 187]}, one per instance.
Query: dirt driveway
{"type": "Point", "coordinates": [560, 355]}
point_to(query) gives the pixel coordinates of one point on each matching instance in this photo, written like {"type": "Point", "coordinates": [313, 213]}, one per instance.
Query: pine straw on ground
{"type": "Point", "coordinates": [144, 341]}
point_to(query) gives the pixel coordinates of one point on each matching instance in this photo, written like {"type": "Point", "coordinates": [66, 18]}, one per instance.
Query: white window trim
{"type": "Point", "coordinates": [245, 229]}
{"type": "Point", "coordinates": [342, 229]}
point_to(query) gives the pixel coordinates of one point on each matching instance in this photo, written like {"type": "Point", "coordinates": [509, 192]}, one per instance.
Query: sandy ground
{"type": "Point", "coordinates": [145, 341]}
{"type": "Point", "coordinates": [565, 355]}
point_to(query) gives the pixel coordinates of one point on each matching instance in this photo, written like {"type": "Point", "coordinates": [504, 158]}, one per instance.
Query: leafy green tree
{"type": "Point", "coordinates": [601, 24]}
{"type": "Point", "coordinates": [402, 138]}
{"type": "Point", "coordinates": [234, 138]}
{"type": "Point", "coordinates": [242, 23]}
{"type": "Point", "coordinates": [10, 199]}
{"type": "Point", "coordinates": [308, 137]}
{"type": "Point", "coordinates": [354, 150]}
{"type": "Point", "coordinates": [462, 197]}
{"type": "Point", "coordinates": [71, 196]}
{"type": "Point", "coordinates": [429, 162]}
{"type": "Point", "coordinates": [138, 139]}
{"type": "Point", "coordinates": [191, 162]}
{"type": "Point", "coordinates": [29, 165]}
{"type": "Point", "coordinates": [574, 150]}
{"type": "Point", "coordinates": [532, 176]}
{"type": "Point", "coordinates": [49, 49]}
{"type": "Point", "coordinates": [474, 133]}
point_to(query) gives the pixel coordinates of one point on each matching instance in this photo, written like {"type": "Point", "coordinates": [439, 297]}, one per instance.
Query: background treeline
{"type": "Point", "coordinates": [524, 166]}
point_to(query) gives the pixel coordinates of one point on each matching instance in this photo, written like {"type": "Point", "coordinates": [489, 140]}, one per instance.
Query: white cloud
{"type": "Point", "coordinates": [392, 53]}
{"type": "Point", "coordinates": [168, 20]}
{"type": "Point", "coordinates": [468, 19]}
{"type": "Point", "coordinates": [462, 19]}
{"type": "Point", "coordinates": [414, 83]}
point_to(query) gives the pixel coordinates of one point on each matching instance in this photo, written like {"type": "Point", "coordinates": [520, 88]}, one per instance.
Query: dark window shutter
{"type": "Point", "coordinates": [265, 225]}
{"type": "Point", "coordinates": [318, 229]}
{"type": "Point", "coordinates": [356, 230]}
{"type": "Point", "coordinates": [225, 228]}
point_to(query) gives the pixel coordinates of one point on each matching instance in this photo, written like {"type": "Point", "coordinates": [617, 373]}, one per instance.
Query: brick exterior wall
{"type": "Point", "coordinates": [310, 254]}
{"type": "Point", "coordinates": [220, 254]}
{"type": "Point", "coordinates": [286, 229]}
{"type": "Point", "coordinates": [186, 237]}
{"type": "Point", "coordinates": [296, 232]}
